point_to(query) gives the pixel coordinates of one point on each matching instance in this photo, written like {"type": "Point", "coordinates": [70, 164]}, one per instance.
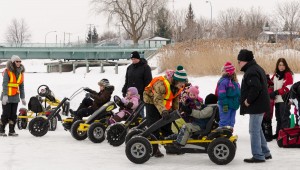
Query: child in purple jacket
{"type": "Point", "coordinates": [228, 92]}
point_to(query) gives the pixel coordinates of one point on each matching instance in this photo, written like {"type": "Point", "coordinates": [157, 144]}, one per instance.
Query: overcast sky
{"type": "Point", "coordinates": [74, 16]}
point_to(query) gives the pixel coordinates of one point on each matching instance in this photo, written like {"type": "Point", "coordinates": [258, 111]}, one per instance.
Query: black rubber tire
{"type": "Point", "coordinates": [53, 124]}
{"type": "Point", "coordinates": [96, 132]}
{"type": "Point", "coordinates": [132, 132]}
{"type": "Point", "coordinates": [138, 150]}
{"type": "Point", "coordinates": [38, 126]}
{"type": "Point", "coordinates": [22, 123]}
{"type": "Point", "coordinates": [78, 135]}
{"type": "Point", "coordinates": [113, 134]}
{"type": "Point", "coordinates": [221, 151]}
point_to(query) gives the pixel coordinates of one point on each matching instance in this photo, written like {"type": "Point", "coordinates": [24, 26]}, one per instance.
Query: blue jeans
{"type": "Point", "coordinates": [259, 147]}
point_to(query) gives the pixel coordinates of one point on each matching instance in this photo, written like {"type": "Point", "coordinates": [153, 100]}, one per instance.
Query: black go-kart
{"type": "Point", "coordinates": [94, 127]}
{"type": "Point", "coordinates": [39, 125]}
{"type": "Point", "coordinates": [219, 144]}
{"type": "Point", "coordinates": [116, 133]}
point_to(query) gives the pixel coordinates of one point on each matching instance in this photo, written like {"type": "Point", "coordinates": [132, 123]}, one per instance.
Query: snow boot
{"type": "Point", "coordinates": [11, 126]}
{"type": "Point", "coordinates": [2, 129]}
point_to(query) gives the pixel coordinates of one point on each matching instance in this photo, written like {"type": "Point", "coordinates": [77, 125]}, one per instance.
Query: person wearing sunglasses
{"type": "Point", "coordinates": [12, 91]}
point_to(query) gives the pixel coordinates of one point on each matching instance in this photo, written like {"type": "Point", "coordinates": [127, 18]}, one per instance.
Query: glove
{"type": "Point", "coordinates": [186, 109]}
{"type": "Point", "coordinates": [273, 94]}
{"type": "Point", "coordinates": [88, 89]}
{"type": "Point", "coordinates": [225, 108]}
{"type": "Point", "coordinates": [165, 115]}
{"type": "Point", "coordinates": [4, 100]}
{"type": "Point", "coordinates": [23, 102]}
{"type": "Point", "coordinates": [87, 95]}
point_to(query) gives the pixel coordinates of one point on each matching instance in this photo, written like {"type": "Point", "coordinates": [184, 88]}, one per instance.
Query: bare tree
{"type": "Point", "coordinates": [288, 16]}
{"type": "Point", "coordinates": [17, 32]}
{"type": "Point", "coordinates": [254, 23]}
{"type": "Point", "coordinates": [133, 14]}
{"type": "Point", "coordinates": [178, 20]}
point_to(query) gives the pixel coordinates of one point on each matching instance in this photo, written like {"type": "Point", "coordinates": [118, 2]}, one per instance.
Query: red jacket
{"type": "Point", "coordinates": [287, 83]}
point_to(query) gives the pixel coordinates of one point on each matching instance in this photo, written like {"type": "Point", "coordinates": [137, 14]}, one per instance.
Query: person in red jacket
{"type": "Point", "coordinates": [283, 80]}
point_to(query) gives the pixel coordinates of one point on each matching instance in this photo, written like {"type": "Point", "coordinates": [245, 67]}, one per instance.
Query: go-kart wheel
{"type": "Point", "coordinates": [96, 132]}
{"type": "Point", "coordinates": [38, 126]}
{"type": "Point", "coordinates": [78, 135]}
{"type": "Point", "coordinates": [53, 124]}
{"type": "Point", "coordinates": [138, 150]}
{"type": "Point", "coordinates": [22, 122]}
{"type": "Point", "coordinates": [132, 132]}
{"type": "Point", "coordinates": [114, 134]}
{"type": "Point", "coordinates": [221, 151]}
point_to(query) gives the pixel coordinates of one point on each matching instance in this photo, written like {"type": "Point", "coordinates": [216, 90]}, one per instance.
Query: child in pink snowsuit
{"type": "Point", "coordinates": [130, 102]}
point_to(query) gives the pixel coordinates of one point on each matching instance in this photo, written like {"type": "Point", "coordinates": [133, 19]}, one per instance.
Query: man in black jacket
{"type": "Point", "coordinates": [138, 74]}
{"type": "Point", "coordinates": [255, 101]}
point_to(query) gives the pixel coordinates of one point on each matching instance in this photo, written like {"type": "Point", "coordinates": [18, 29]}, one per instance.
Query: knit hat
{"type": "Point", "coordinates": [229, 68]}
{"type": "Point", "coordinates": [103, 82]}
{"type": "Point", "coordinates": [180, 74]}
{"type": "Point", "coordinates": [211, 99]}
{"type": "Point", "coordinates": [15, 58]}
{"type": "Point", "coordinates": [135, 54]}
{"type": "Point", "coordinates": [245, 55]}
{"type": "Point", "coordinates": [194, 90]}
{"type": "Point", "coordinates": [133, 90]}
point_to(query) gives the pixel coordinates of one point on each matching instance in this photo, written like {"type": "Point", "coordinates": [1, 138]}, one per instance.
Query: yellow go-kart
{"type": "Point", "coordinates": [41, 105]}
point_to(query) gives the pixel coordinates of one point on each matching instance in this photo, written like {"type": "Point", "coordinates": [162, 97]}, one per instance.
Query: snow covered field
{"type": "Point", "coordinates": [57, 150]}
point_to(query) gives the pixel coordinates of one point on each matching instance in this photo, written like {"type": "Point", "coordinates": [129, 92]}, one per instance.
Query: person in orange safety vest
{"type": "Point", "coordinates": [161, 96]}
{"type": "Point", "coordinates": [12, 91]}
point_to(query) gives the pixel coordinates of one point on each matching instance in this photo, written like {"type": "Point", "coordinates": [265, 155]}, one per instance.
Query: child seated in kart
{"type": "Point", "coordinates": [93, 100]}
{"type": "Point", "coordinates": [127, 105]}
{"type": "Point", "coordinates": [201, 117]}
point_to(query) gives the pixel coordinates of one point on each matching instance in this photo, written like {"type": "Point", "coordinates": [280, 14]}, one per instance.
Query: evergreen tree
{"type": "Point", "coordinates": [163, 26]}
{"type": "Point", "coordinates": [95, 35]}
{"type": "Point", "coordinates": [189, 19]}
{"type": "Point", "coordinates": [92, 36]}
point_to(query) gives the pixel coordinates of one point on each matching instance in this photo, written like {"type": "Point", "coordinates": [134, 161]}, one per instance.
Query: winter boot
{"type": "Point", "coordinates": [2, 129]}
{"type": "Point", "coordinates": [11, 125]}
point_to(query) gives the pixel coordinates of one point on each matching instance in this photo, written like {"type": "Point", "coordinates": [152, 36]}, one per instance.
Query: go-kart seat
{"type": "Point", "coordinates": [211, 124]}
{"type": "Point", "coordinates": [35, 105]}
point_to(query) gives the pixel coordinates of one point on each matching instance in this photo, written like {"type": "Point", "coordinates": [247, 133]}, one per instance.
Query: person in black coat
{"type": "Point", "coordinates": [138, 74]}
{"type": "Point", "coordinates": [255, 101]}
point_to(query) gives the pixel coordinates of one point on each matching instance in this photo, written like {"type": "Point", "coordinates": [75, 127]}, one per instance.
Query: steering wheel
{"type": "Point", "coordinates": [118, 101]}
{"type": "Point", "coordinates": [43, 90]}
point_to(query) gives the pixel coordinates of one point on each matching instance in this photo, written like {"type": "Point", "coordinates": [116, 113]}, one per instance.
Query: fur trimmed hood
{"type": "Point", "coordinates": [10, 67]}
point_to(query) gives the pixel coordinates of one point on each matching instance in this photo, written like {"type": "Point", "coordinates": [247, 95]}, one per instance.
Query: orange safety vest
{"type": "Point", "coordinates": [169, 96]}
{"type": "Point", "coordinates": [14, 83]}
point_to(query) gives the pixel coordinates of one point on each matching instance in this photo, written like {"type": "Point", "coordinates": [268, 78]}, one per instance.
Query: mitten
{"type": "Point", "coordinates": [23, 102]}
{"type": "Point", "coordinates": [273, 94]}
{"type": "Point", "coordinates": [225, 108]}
{"type": "Point", "coordinates": [88, 89]}
{"type": "Point", "coordinates": [4, 100]}
{"type": "Point", "coordinates": [165, 115]}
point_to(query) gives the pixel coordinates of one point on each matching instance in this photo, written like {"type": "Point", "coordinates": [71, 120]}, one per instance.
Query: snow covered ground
{"type": "Point", "coordinates": [58, 150]}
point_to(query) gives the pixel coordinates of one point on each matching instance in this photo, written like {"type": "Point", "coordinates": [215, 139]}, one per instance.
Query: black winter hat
{"type": "Point", "coordinates": [245, 55]}
{"type": "Point", "coordinates": [211, 99]}
{"type": "Point", "coordinates": [135, 54]}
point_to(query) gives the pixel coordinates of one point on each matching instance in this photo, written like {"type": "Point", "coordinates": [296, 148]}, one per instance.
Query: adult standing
{"type": "Point", "coordinates": [282, 80]}
{"type": "Point", "coordinates": [255, 102]}
{"type": "Point", "coordinates": [13, 90]}
{"type": "Point", "coordinates": [138, 74]}
{"type": "Point", "coordinates": [162, 96]}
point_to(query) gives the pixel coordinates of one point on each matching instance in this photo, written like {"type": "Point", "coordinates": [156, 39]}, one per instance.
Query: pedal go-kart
{"type": "Point", "coordinates": [41, 105]}
{"type": "Point", "coordinates": [220, 145]}
{"type": "Point", "coordinates": [39, 125]}
{"type": "Point", "coordinates": [95, 126]}
{"type": "Point", "coordinates": [116, 133]}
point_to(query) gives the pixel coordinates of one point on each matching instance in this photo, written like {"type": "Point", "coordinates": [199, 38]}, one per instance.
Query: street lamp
{"type": "Point", "coordinates": [210, 13]}
{"type": "Point", "coordinates": [46, 36]}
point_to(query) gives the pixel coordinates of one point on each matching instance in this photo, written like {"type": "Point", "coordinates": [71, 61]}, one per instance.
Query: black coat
{"type": "Point", "coordinates": [137, 75]}
{"type": "Point", "coordinates": [254, 89]}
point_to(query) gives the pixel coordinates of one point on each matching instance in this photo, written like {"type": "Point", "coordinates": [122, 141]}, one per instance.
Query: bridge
{"type": "Point", "coordinates": [74, 53]}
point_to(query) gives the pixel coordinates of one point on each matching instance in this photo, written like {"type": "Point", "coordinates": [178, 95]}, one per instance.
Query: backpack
{"type": "Point", "coordinates": [289, 138]}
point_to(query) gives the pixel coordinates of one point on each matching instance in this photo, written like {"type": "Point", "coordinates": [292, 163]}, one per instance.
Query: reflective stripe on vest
{"type": "Point", "coordinates": [14, 83]}
{"type": "Point", "coordinates": [168, 97]}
